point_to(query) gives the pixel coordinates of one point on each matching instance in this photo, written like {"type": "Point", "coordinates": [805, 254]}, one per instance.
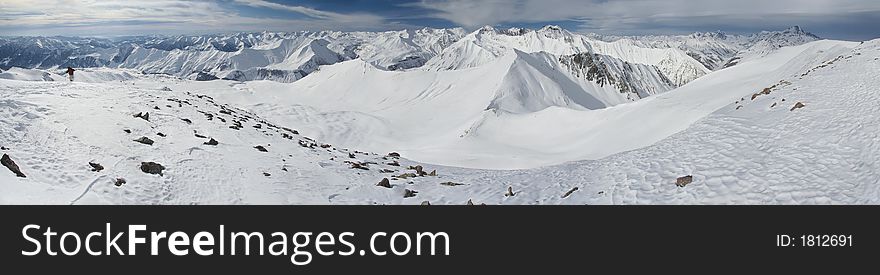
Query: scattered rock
{"type": "Point", "coordinates": [394, 155]}
{"type": "Point", "coordinates": [426, 203]}
{"type": "Point", "coordinates": [166, 89]}
{"type": "Point", "coordinates": [797, 106]}
{"type": "Point", "coordinates": [774, 105]}
{"type": "Point", "coordinates": [384, 183]}
{"type": "Point", "coordinates": [569, 192]}
{"type": "Point", "coordinates": [266, 174]}
{"type": "Point", "coordinates": [144, 116]}
{"type": "Point", "coordinates": [386, 171]}
{"type": "Point", "coordinates": [200, 136]}
{"type": "Point", "coordinates": [325, 145]}
{"type": "Point", "coordinates": [737, 107]}
{"type": "Point", "coordinates": [155, 107]}
{"type": "Point", "coordinates": [152, 168]}
{"type": "Point", "coordinates": [7, 161]}
{"type": "Point", "coordinates": [127, 131]}
{"type": "Point", "coordinates": [351, 155]}
{"type": "Point", "coordinates": [186, 120]}
{"type": "Point", "coordinates": [406, 175]}
{"type": "Point", "coordinates": [409, 193]}
{"type": "Point", "coordinates": [419, 170]}
{"type": "Point", "coordinates": [449, 183]}
{"type": "Point", "coordinates": [96, 167]}
{"type": "Point", "coordinates": [261, 148]}
{"type": "Point", "coordinates": [258, 126]}
{"type": "Point", "coordinates": [160, 134]}
{"type": "Point", "coordinates": [683, 181]}
{"type": "Point", "coordinates": [3, 148]}
{"type": "Point", "coordinates": [212, 142]}
{"type": "Point", "coordinates": [393, 163]}
{"type": "Point", "coordinates": [358, 165]}
{"type": "Point", "coordinates": [119, 182]}
{"type": "Point", "coordinates": [783, 100]}
{"type": "Point", "coordinates": [510, 192]}
{"type": "Point", "coordinates": [284, 169]}
{"type": "Point", "coordinates": [144, 140]}
{"type": "Point", "coordinates": [470, 202]}
{"type": "Point", "coordinates": [433, 173]}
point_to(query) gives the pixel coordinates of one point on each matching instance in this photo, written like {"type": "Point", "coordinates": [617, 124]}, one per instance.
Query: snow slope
{"type": "Point", "coordinates": [740, 145]}
{"type": "Point", "coordinates": [827, 152]}
{"type": "Point", "coordinates": [463, 118]}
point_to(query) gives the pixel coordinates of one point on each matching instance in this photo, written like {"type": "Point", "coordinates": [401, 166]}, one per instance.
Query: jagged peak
{"type": "Point", "coordinates": [554, 28]}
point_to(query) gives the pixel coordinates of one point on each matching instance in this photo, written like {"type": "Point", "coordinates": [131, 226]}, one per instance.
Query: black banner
{"type": "Point", "coordinates": [485, 239]}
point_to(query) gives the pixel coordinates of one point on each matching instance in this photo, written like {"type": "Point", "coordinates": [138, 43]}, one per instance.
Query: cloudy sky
{"type": "Point", "coordinates": [840, 19]}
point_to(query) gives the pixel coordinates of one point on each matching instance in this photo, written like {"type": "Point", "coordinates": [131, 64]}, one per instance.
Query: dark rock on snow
{"type": "Point", "coordinates": [212, 142]}
{"type": "Point", "coordinates": [384, 183]}
{"type": "Point", "coordinates": [119, 182]}
{"type": "Point", "coordinates": [144, 140]}
{"type": "Point", "coordinates": [261, 148]}
{"type": "Point", "coordinates": [683, 181]}
{"type": "Point", "coordinates": [409, 193]}
{"type": "Point", "coordinates": [7, 161]}
{"type": "Point", "coordinates": [96, 167]}
{"type": "Point", "coordinates": [152, 168]}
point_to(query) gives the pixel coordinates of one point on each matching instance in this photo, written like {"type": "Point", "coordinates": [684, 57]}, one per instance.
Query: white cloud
{"type": "Point", "coordinates": [122, 17]}
{"type": "Point", "coordinates": [350, 18]}
{"type": "Point", "coordinates": [622, 15]}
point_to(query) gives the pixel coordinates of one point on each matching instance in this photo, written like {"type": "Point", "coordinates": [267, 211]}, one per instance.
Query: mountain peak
{"type": "Point", "coordinates": [553, 28]}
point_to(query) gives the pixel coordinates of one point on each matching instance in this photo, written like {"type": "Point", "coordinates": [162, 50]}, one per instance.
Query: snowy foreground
{"type": "Point", "coordinates": [327, 136]}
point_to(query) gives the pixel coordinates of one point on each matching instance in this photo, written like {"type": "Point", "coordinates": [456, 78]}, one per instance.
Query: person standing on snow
{"type": "Point", "coordinates": [70, 73]}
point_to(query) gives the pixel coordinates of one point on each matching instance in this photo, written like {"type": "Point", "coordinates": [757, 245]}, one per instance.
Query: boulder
{"type": "Point", "coordinates": [119, 182]}
{"type": "Point", "coordinates": [144, 140]}
{"type": "Point", "coordinates": [152, 168]}
{"type": "Point", "coordinates": [7, 161]}
{"type": "Point", "coordinates": [144, 116]}
{"type": "Point", "coordinates": [96, 167]}
{"type": "Point", "coordinates": [684, 181]}
{"type": "Point", "coordinates": [510, 192]}
{"type": "Point", "coordinates": [409, 193]}
{"type": "Point", "coordinates": [261, 148]}
{"type": "Point", "coordinates": [384, 183]}
{"type": "Point", "coordinates": [212, 142]}
{"type": "Point", "coordinates": [797, 106]}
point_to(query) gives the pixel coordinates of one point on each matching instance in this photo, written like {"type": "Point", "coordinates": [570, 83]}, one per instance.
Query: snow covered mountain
{"type": "Point", "coordinates": [796, 126]}
{"type": "Point", "coordinates": [284, 57]}
{"type": "Point", "coordinates": [717, 50]}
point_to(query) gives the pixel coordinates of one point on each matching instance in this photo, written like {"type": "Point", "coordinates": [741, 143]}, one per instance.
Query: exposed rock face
{"type": "Point", "coordinates": [152, 168]}
{"type": "Point", "coordinates": [621, 75]}
{"type": "Point", "coordinates": [7, 161]}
